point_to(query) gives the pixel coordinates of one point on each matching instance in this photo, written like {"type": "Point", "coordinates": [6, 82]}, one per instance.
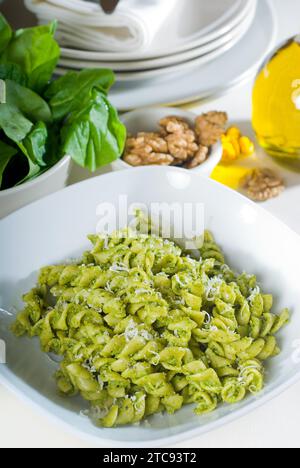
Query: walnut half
{"type": "Point", "coordinates": [210, 127]}
{"type": "Point", "coordinates": [173, 124]}
{"type": "Point", "coordinates": [181, 139]}
{"type": "Point", "coordinates": [198, 159]}
{"type": "Point", "coordinates": [147, 149]}
{"type": "Point", "coordinates": [263, 184]}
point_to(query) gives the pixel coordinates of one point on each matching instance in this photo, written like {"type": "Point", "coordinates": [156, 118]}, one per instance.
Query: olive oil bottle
{"type": "Point", "coordinates": [276, 104]}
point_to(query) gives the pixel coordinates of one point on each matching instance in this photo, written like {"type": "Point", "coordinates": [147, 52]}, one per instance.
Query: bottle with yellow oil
{"type": "Point", "coordinates": [276, 104]}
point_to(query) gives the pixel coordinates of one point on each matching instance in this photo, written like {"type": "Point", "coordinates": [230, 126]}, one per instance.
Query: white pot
{"type": "Point", "coordinates": [52, 180]}
{"type": "Point", "coordinates": [146, 120]}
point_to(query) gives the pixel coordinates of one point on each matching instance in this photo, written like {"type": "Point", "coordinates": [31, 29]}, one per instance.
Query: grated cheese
{"type": "Point", "coordinates": [108, 288]}
{"type": "Point", "coordinates": [89, 366]}
{"type": "Point", "coordinates": [162, 273]}
{"type": "Point", "coordinates": [78, 356]}
{"type": "Point", "coordinates": [100, 382]}
{"type": "Point", "coordinates": [143, 291]}
{"type": "Point", "coordinates": [213, 286]}
{"type": "Point", "coordinates": [131, 331]}
{"type": "Point", "coordinates": [106, 243]}
{"type": "Point", "coordinates": [207, 319]}
{"type": "Point", "coordinates": [156, 362]}
{"type": "Point", "coordinates": [118, 267]}
{"type": "Point", "coordinates": [254, 293]}
{"type": "Point", "coordinates": [178, 280]}
{"type": "Point", "coordinates": [146, 335]}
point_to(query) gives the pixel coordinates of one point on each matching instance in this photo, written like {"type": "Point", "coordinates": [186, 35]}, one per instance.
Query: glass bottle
{"type": "Point", "coordinates": [276, 104]}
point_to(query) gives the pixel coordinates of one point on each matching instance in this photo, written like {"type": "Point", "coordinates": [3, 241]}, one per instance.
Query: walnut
{"type": "Point", "coordinates": [210, 127]}
{"type": "Point", "coordinates": [151, 140]}
{"type": "Point", "coordinates": [177, 143]}
{"type": "Point", "coordinates": [146, 149]}
{"type": "Point", "coordinates": [263, 184]}
{"type": "Point", "coordinates": [173, 124]}
{"type": "Point", "coordinates": [182, 146]}
{"type": "Point", "coordinates": [198, 159]}
{"type": "Point", "coordinates": [147, 159]}
{"type": "Point", "coordinates": [181, 139]}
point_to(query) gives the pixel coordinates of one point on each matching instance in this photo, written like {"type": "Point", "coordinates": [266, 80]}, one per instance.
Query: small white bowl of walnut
{"type": "Point", "coordinates": [173, 137]}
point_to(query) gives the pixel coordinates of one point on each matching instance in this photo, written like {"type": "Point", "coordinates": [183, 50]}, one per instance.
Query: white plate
{"type": "Point", "coordinates": [185, 30]}
{"type": "Point", "coordinates": [166, 71]}
{"type": "Point", "coordinates": [232, 68]}
{"type": "Point", "coordinates": [166, 60]}
{"type": "Point", "coordinates": [234, 35]}
{"type": "Point", "coordinates": [55, 228]}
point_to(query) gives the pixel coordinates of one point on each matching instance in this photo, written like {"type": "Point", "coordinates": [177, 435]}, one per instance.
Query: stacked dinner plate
{"type": "Point", "coordinates": [153, 42]}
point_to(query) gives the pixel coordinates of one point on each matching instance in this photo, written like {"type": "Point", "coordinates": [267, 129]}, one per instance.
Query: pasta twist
{"type": "Point", "coordinates": [143, 328]}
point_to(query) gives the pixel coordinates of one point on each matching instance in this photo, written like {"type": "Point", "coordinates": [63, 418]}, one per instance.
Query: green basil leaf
{"type": "Point", "coordinates": [6, 153]}
{"type": "Point", "coordinates": [94, 135]}
{"type": "Point", "coordinates": [53, 155]}
{"type": "Point", "coordinates": [34, 146]}
{"type": "Point", "coordinates": [14, 124]}
{"type": "Point", "coordinates": [17, 127]}
{"type": "Point", "coordinates": [22, 109]}
{"type": "Point", "coordinates": [28, 102]}
{"type": "Point", "coordinates": [37, 53]}
{"type": "Point", "coordinates": [5, 33]}
{"type": "Point", "coordinates": [67, 93]}
{"type": "Point", "coordinates": [11, 71]}
{"type": "Point", "coordinates": [34, 170]}
{"type": "Point", "coordinates": [16, 170]}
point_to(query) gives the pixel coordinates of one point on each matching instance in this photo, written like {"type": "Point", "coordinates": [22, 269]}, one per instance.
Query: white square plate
{"type": "Point", "coordinates": [55, 228]}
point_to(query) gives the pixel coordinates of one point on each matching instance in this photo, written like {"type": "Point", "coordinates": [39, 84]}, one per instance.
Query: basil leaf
{"type": "Point", "coordinates": [11, 71]}
{"type": "Point", "coordinates": [14, 124]}
{"type": "Point", "coordinates": [67, 93]}
{"type": "Point", "coordinates": [22, 109]}
{"type": "Point", "coordinates": [33, 171]}
{"type": "Point", "coordinates": [94, 135]}
{"type": "Point", "coordinates": [34, 146]}
{"type": "Point", "coordinates": [5, 33]}
{"type": "Point", "coordinates": [28, 102]}
{"type": "Point", "coordinates": [53, 155]}
{"type": "Point", "coordinates": [36, 51]}
{"type": "Point", "coordinates": [6, 153]}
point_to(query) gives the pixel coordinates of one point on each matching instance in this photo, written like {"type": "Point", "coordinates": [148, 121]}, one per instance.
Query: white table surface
{"type": "Point", "coordinates": [274, 425]}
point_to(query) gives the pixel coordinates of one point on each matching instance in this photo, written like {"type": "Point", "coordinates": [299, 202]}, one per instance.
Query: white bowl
{"type": "Point", "coordinates": [52, 180]}
{"type": "Point", "coordinates": [42, 234]}
{"type": "Point", "coordinates": [146, 120]}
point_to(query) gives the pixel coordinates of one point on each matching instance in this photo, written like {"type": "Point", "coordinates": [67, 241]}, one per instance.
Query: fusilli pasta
{"type": "Point", "coordinates": [143, 328]}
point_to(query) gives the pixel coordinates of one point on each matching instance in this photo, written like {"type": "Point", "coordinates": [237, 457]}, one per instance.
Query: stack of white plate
{"type": "Point", "coordinates": [204, 47]}
{"type": "Point", "coordinates": [192, 36]}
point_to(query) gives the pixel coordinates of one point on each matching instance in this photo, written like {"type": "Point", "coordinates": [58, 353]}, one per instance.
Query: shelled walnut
{"type": "Point", "coordinates": [173, 124]}
{"type": "Point", "coordinates": [177, 143]}
{"type": "Point", "coordinates": [198, 159]}
{"type": "Point", "coordinates": [147, 149]}
{"type": "Point", "coordinates": [210, 127]}
{"type": "Point", "coordinates": [181, 139]}
{"type": "Point", "coordinates": [263, 184]}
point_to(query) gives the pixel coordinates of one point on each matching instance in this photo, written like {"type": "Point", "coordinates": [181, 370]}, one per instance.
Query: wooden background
{"type": "Point", "coordinates": [16, 13]}
{"type": "Point", "coordinates": [19, 17]}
